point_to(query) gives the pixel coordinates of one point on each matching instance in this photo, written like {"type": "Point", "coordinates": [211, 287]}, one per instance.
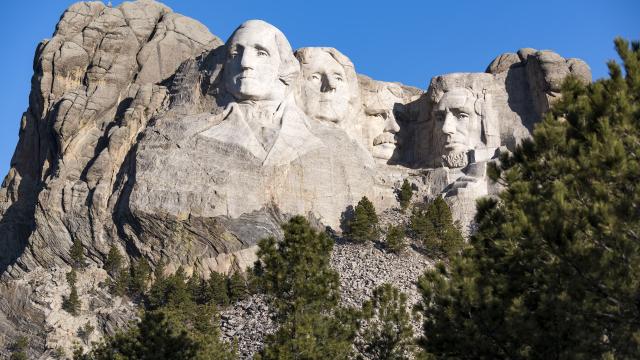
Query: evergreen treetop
{"type": "Point", "coordinates": [404, 195]}
{"type": "Point", "coordinates": [433, 225]}
{"type": "Point", "coordinates": [364, 224]}
{"type": "Point", "coordinates": [77, 254]}
{"type": "Point", "coordinates": [114, 261]}
{"type": "Point", "coordinates": [297, 273]}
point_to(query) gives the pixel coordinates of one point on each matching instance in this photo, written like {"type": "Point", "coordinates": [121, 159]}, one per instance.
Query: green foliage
{"type": "Point", "coordinates": [77, 254]}
{"type": "Point", "coordinates": [170, 291]}
{"type": "Point", "coordinates": [237, 287]}
{"type": "Point", "coordinates": [71, 304]}
{"type": "Point", "coordinates": [312, 335]}
{"type": "Point", "coordinates": [433, 225]}
{"type": "Point", "coordinates": [133, 281]}
{"type": "Point", "coordinates": [113, 264]}
{"type": "Point", "coordinates": [180, 322]}
{"type": "Point", "coordinates": [168, 333]}
{"type": "Point", "coordinates": [297, 273]}
{"type": "Point", "coordinates": [19, 349]}
{"type": "Point", "coordinates": [404, 195]}
{"type": "Point", "coordinates": [388, 334]}
{"type": "Point", "coordinates": [72, 277]}
{"type": "Point", "coordinates": [304, 290]}
{"type": "Point", "coordinates": [59, 353]}
{"type": "Point", "coordinates": [139, 278]}
{"type": "Point", "coordinates": [216, 290]}
{"type": "Point", "coordinates": [120, 285]}
{"type": "Point", "coordinates": [554, 269]}
{"type": "Point", "coordinates": [364, 224]}
{"type": "Point", "coordinates": [85, 331]}
{"type": "Point", "coordinates": [395, 239]}
{"type": "Point", "coordinates": [254, 278]}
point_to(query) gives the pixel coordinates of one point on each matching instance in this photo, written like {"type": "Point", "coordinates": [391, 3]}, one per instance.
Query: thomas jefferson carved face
{"type": "Point", "coordinates": [459, 126]}
{"type": "Point", "coordinates": [253, 63]}
{"type": "Point", "coordinates": [324, 91]}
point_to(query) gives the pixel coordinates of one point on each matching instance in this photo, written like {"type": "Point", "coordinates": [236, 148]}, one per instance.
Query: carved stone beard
{"type": "Point", "coordinates": [455, 159]}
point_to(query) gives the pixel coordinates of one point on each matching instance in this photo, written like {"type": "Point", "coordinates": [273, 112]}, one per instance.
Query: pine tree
{"type": "Point", "coordinates": [553, 271]}
{"type": "Point", "coordinates": [304, 290]}
{"type": "Point", "coordinates": [216, 290]}
{"type": "Point", "coordinates": [71, 304]}
{"type": "Point", "coordinates": [139, 278]}
{"type": "Point", "coordinates": [395, 239]}
{"type": "Point", "coordinates": [113, 264]}
{"type": "Point", "coordinates": [313, 336]}
{"type": "Point", "coordinates": [433, 225]}
{"type": "Point", "coordinates": [237, 287]}
{"type": "Point", "coordinates": [77, 254]}
{"type": "Point", "coordinates": [404, 195]}
{"type": "Point", "coordinates": [85, 331]}
{"type": "Point", "coordinates": [297, 271]}
{"type": "Point", "coordinates": [254, 278]}
{"type": "Point", "coordinates": [170, 333]}
{"type": "Point", "coordinates": [19, 349]}
{"type": "Point", "coordinates": [388, 334]}
{"type": "Point", "coordinates": [364, 224]}
{"type": "Point", "coordinates": [172, 291]}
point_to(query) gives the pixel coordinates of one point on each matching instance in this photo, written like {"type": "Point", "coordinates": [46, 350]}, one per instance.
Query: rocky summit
{"type": "Point", "coordinates": [146, 132]}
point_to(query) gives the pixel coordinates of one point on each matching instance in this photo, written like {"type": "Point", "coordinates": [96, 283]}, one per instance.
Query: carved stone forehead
{"type": "Point", "coordinates": [255, 30]}
{"type": "Point", "coordinates": [460, 98]}
{"type": "Point", "coordinates": [321, 59]}
{"type": "Point", "coordinates": [472, 82]}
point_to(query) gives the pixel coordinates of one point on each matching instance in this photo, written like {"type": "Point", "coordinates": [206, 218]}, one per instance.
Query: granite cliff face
{"type": "Point", "coordinates": [146, 132]}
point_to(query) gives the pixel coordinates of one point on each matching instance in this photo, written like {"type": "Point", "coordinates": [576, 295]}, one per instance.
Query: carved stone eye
{"type": "Point", "coordinates": [262, 53]}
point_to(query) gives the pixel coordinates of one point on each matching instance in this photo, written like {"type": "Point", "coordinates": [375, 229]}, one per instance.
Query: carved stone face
{"type": "Point", "coordinates": [252, 67]}
{"type": "Point", "coordinates": [324, 90]}
{"type": "Point", "coordinates": [382, 129]}
{"type": "Point", "coordinates": [458, 125]}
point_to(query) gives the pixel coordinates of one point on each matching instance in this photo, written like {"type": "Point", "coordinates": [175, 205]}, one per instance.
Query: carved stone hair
{"type": "Point", "coordinates": [289, 67]}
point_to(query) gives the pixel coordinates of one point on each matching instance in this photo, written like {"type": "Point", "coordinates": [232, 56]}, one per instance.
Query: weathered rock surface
{"type": "Point", "coordinates": [362, 268]}
{"type": "Point", "coordinates": [146, 132]}
{"type": "Point", "coordinates": [96, 83]}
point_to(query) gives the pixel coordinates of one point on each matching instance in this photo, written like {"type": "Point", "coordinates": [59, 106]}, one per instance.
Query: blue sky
{"type": "Point", "coordinates": [405, 41]}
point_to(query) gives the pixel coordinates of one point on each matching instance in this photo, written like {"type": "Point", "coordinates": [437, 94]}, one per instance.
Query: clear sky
{"type": "Point", "coordinates": [405, 41]}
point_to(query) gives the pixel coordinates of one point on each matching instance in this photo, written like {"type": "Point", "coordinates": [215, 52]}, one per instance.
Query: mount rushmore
{"type": "Point", "coordinates": [146, 131]}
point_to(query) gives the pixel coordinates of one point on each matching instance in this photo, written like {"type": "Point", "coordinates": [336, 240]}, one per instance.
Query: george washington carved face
{"type": "Point", "coordinates": [259, 62]}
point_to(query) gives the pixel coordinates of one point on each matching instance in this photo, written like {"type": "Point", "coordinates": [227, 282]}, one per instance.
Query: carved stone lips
{"type": "Point", "coordinates": [385, 138]}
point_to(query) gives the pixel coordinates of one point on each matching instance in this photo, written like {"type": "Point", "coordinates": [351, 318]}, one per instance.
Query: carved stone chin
{"type": "Point", "coordinates": [455, 160]}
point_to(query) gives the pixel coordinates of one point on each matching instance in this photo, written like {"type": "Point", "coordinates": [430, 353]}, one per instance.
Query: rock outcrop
{"type": "Point", "coordinates": [145, 132]}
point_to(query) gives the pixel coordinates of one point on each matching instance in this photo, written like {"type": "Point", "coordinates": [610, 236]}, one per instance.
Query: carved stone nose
{"type": "Point", "coordinates": [328, 85]}
{"type": "Point", "coordinates": [391, 125]}
{"type": "Point", "coordinates": [449, 125]}
{"type": "Point", "coordinates": [246, 60]}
